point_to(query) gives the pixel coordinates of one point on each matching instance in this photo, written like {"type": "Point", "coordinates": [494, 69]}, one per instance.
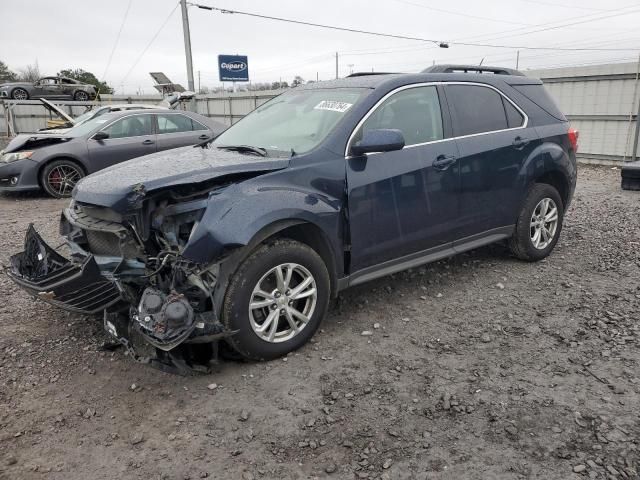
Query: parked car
{"type": "Point", "coordinates": [49, 87]}
{"type": "Point", "coordinates": [56, 163]}
{"type": "Point", "coordinates": [326, 186]}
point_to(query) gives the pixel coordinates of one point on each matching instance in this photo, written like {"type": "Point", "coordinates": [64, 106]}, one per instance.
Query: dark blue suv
{"type": "Point", "coordinates": [326, 186]}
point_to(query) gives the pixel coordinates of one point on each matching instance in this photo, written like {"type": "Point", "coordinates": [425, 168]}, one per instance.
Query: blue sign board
{"type": "Point", "coordinates": [233, 68]}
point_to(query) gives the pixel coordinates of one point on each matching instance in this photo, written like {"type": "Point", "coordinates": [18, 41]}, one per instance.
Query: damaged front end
{"type": "Point", "coordinates": [129, 265]}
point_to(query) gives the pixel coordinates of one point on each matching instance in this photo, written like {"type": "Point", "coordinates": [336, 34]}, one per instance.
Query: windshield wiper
{"type": "Point", "coordinates": [245, 149]}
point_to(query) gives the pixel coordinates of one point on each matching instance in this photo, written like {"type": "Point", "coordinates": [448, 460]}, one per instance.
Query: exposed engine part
{"type": "Point", "coordinates": [164, 320]}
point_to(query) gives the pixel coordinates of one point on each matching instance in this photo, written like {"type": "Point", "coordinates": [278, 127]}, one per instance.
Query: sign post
{"type": "Point", "coordinates": [233, 68]}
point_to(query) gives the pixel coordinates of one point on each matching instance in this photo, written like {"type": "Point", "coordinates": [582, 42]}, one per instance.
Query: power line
{"type": "Point", "coordinates": [440, 43]}
{"type": "Point", "coordinates": [557, 24]}
{"type": "Point", "coordinates": [546, 29]}
{"type": "Point", "coordinates": [113, 50]}
{"type": "Point", "coordinates": [460, 14]}
{"type": "Point", "coordinates": [155, 35]}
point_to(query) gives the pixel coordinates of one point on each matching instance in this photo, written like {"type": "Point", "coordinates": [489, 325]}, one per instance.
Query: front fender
{"type": "Point", "coordinates": [234, 217]}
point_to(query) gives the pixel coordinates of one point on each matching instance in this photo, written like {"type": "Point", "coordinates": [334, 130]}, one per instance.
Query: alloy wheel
{"type": "Point", "coordinates": [544, 223]}
{"type": "Point", "coordinates": [20, 94]}
{"type": "Point", "coordinates": [283, 302]}
{"type": "Point", "coordinates": [82, 96]}
{"type": "Point", "coordinates": [63, 178]}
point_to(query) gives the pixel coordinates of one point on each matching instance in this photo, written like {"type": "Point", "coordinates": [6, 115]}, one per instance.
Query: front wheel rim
{"type": "Point", "coordinates": [62, 179]}
{"type": "Point", "coordinates": [544, 223]}
{"type": "Point", "coordinates": [283, 302]}
{"type": "Point", "coordinates": [81, 96]}
{"type": "Point", "coordinates": [20, 95]}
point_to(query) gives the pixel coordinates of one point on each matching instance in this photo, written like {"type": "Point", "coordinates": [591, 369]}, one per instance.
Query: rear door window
{"type": "Point", "coordinates": [476, 109]}
{"type": "Point", "coordinates": [133, 126]}
{"type": "Point", "coordinates": [174, 123]}
{"type": "Point", "coordinates": [414, 111]}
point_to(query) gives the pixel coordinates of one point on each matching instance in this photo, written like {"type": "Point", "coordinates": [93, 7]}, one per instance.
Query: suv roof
{"type": "Point", "coordinates": [473, 69]}
{"type": "Point", "coordinates": [437, 73]}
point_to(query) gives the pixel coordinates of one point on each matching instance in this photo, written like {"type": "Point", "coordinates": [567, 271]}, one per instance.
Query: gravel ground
{"type": "Point", "coordinates": [480, 366]}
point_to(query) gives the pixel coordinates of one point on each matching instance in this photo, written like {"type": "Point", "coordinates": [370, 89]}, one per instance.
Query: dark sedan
{"type": "Point", "coordinates": [55, 163]}
{"type": "Point", "coordinates": [60, 88]}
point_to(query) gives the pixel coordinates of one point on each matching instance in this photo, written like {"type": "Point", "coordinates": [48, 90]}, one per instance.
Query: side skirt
{"type": "Point", "coordinates": [426, 256]}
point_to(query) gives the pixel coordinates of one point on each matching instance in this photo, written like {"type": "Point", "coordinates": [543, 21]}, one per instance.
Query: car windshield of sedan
{"type": "Point", "coordinates": [87, 127]}
{"type": "Point", "coordinates": [294, 122]}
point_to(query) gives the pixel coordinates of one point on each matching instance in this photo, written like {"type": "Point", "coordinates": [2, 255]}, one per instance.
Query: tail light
{"type": "Point", "coordinates": [573, 138]}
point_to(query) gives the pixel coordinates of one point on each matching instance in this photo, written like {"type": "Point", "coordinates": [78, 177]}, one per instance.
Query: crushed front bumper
{"type": "Point", "coordinates": [47, 275]}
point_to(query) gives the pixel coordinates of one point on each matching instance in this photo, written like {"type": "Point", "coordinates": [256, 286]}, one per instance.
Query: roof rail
{"type": "Point", "coordinates": [364, 74]}
{"type": "Point", "coordinates": [472, 69]}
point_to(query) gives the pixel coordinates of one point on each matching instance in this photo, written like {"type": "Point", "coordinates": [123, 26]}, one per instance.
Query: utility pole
{"type": "Point", "coordinates": [517, 59]}
{"type": "Point", "coordinates": [199, 89]}
{"type": "Point", "coordinates": [187, 44]}
{"type": "Point", "coordinates": [336, 65]}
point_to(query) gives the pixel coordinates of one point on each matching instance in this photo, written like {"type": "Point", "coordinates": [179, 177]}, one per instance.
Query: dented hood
{"type": "Point", "coordinates": [26, 141]}
{"type": "Point", "coordinates": [120, 186]}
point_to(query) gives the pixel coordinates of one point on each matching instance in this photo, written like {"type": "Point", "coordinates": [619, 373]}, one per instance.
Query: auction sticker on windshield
{"type": "Point", "coordinates": [333, 105]}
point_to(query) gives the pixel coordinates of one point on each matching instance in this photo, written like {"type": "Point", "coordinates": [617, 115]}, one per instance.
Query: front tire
{"type": "Point", "coordinates": [539, 224]}
{"type": "Point", "coordinates": [276, 299]}
{"type": "Point", "coordinates": [59, 177]}
{"type": "Point", "coordinates": [20, 94]}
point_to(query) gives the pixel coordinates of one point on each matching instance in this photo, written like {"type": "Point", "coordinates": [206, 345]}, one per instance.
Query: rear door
{"type": "Point", "coordinates": [178, 130]}
{"type": "Point", "coordinates": [129, 137]}
{"type": "Point", "coordinates": [404, 202]}
{"type": "Point", "coordinates": [493, 142]}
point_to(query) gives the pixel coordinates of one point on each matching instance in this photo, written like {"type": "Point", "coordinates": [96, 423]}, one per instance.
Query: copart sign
{"type": "Point", "coordinates": [233, 68]}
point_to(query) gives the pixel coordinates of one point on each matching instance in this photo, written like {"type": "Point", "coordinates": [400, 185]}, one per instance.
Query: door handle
{"type": "Point", "coordinates": [204, 137]}
{"type": "Point", "coordinates": [442, 162]}
{"type": "Point", "coordinates": [148, 142]}
{"type": "Point", "coordinates": [520, 142]}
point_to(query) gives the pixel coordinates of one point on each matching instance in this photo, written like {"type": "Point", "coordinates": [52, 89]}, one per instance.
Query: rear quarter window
{"type": "Point", "coordinates": [539, 95]}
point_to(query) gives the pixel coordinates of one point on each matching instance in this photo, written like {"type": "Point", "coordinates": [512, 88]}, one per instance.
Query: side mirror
{"type": "Point", "coordinates": [380, 140]}
{"type": "Point", "coordinates": [101, 136]}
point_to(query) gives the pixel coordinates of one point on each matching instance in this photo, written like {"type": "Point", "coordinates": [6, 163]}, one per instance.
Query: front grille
{"type": "Point", "coordinates": [104, 235]}
{"type": "Point", "coordinates": [106, 243]}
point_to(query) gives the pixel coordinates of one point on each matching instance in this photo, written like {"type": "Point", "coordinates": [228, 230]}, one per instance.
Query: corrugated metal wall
{"type": "Point", "coordinates": [31, 116]}
{"type": "Point", "coordinates": [601, 101]}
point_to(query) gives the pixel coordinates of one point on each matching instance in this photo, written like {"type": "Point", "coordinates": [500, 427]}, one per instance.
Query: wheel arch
{"type": "Point", "coordinates": [294, 229]}
{"type": "Point", "coordinates": [21, 88]}
{"type": "Point", "coordinates": [557, 180]}
{"type": "Point", "coordinates": [49, 161]}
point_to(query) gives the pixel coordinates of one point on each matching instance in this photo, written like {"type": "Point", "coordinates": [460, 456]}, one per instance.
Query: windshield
{"type": "Point", "coordinates": [296, 121]}
{"type": "Point", "coordinates": [88, 126]}
{"type": "Point", "coordinates": [85, 116]}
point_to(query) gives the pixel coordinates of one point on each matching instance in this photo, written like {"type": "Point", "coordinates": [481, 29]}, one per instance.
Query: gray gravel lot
{"type": "Point", "coordinates": [477, 367]}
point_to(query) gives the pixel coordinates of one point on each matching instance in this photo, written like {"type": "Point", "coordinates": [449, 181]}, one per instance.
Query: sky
{"type": "Point", "coordinates": [84, 33]}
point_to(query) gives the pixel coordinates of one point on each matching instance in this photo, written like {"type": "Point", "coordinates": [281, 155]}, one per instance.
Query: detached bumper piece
{"type": "Point", "coordinates": [47, 275]}
{"type": "Point", "coordinates": [631, 176]}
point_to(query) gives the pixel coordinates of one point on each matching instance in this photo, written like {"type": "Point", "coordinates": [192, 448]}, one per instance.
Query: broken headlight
{"type": "Point", "coordinates": [15, 156]}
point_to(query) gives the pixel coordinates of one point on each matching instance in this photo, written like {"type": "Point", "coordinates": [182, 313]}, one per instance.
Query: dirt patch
{"type": "Point", "coordinates": [480, 366]}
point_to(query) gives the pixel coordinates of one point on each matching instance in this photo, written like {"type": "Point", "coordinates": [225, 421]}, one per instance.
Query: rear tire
{"type": "Point", "coordinates": [59, 177]}
{"type": "Point", "coordinates": [539, 224]}
{"type": "Point", "coordinates": [268, 311]}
